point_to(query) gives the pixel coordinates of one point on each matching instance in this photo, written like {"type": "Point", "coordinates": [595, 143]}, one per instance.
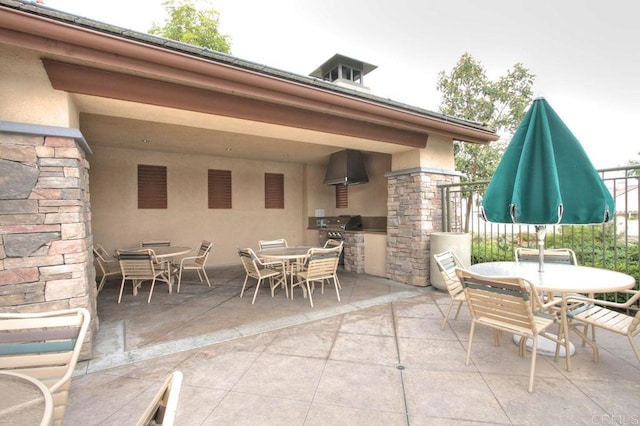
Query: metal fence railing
{"type": "Point", "coordinates": [613, 245]}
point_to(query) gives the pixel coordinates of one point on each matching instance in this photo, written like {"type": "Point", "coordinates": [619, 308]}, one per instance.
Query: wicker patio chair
{"type": "Point", "coordinates": [196, 263]}
{"type": "Point", "coordinates": [109, 265]}
{"type": "Point", "coordinates": [45, 346]}
{"type": "Point", "coordinates": [163, 407]}
{"type": "Point", "coordinates": [447, 263]}
{"type": "Point", "coordinates": [139, 266]}
{"type": "Point", "coordinates": [321, 265]}
{"type": "Point", "coordinates": [595, 312]}
{"type": "Point", "coordinates": [261, 270]}
{"type": "Point", "coordinates": [506, 304]}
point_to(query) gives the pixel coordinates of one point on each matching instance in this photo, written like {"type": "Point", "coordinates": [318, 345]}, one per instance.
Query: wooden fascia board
{"type": "Point", "coordinates": [108, 84]}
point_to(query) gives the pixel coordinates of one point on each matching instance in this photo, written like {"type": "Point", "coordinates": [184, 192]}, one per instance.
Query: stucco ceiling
{"type": "Point", "coordinates": [121, 124]}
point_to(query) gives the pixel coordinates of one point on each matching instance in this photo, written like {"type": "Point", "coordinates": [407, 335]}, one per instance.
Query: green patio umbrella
{"type": "Point", "coordinates": [546, 178]}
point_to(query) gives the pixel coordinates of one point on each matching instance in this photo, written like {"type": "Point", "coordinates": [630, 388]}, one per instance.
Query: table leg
{"type": "Point", "coordinates": [565, 330]}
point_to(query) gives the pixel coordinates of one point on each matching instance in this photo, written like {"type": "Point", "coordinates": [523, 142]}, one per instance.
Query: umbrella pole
{"type": "Point", "coordinates": [541, 231]}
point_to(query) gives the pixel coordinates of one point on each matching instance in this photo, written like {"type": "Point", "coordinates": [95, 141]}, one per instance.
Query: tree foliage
{"type": "Point", "coordinates": [190, 25]}
{"type": "Point", "coordinates": [468, 93]}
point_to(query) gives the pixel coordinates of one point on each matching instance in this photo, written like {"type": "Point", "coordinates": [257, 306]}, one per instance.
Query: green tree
{"type": "Point", "coordinates": [468, 93]}
{"type": "Point", "coordinates": [190, 25]}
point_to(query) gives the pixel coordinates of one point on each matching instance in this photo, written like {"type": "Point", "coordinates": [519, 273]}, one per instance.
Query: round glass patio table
{"type": "Point", "coordinates": [25, 400]}
{"type": "Point", "coordinates": [560, 278]}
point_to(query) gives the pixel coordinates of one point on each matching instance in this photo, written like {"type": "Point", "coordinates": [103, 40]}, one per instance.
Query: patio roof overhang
{"type": "Point", "coordinates": [95, 60]}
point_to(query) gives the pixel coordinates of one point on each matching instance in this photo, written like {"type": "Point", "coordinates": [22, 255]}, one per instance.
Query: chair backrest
{"type": "Point", "coordinates": [267, 244]}
{"type": "Point", "coordinates": [507, 303]}
{"type": "Point", "coordinates": [561, 255]}
{"type": "Point", "coordinates": [45, 346]}
{"type": "Point", "coordinates": [248, 259]}
{"type": "Point", "coordinates": [101, 254]}
{"type": "Point", "coordinates": [447, 263]}
{"type": "Point", "coordinates": [203, 253]}
{"type": "Point", "coordinates": [137, 264]}
{"type": "Point", "coordinates": [163, 407]}
{"type": "Point", "coordinates": [155, 243]}
{"type": "Point", "coordinates": [323, 262]}
{"type": "Point", "coordinates": [333, 243]}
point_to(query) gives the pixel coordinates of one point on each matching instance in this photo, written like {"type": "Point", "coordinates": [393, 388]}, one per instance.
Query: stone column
{"type": "Point", "coordinates": [414, 209]}
{"type": "Point", "coordinates": [45, 224]}
{"type": "Point", "coordinates": [354, 252]}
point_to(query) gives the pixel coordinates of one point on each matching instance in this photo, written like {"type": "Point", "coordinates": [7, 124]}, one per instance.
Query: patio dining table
{"type": "Point", "coordinates": [563, 279]}
{"type": "Point", "coordinates": [289, 255]}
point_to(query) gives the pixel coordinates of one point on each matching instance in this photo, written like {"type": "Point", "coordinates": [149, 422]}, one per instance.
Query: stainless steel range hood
{"type": "Point", "coordinates": [346, 168]}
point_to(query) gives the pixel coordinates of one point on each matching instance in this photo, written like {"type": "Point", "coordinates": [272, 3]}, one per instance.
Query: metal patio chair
{"type": "Point", "coordinates": [447, 263]}
{"type": "Point", "coordinates": [139, 266]}
{"type": "Point", "coordinates": [163, 407]}
{"type": "Point", "coordinates": [507, 304]}
{"type": "Point", "coordinates": [45, 346]}
{"type": "Point", "coordinates": [260, 270]}
{"type": "Point", "coordinates": [196, 263]}
{"type": "Point", "coordinates": [109, 265]}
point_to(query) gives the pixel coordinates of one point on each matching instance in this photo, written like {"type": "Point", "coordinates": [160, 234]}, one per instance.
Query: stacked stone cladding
{"type": "Point", "coordinates": [45, 227]}
{"type": "Point", "coordinates": [414, 209]}
{"type": "Point", "coordinates": [354, 252]}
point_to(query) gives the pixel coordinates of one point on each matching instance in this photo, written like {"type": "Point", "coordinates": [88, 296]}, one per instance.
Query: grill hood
{"type": "Point", "coordinates": [346, 168]}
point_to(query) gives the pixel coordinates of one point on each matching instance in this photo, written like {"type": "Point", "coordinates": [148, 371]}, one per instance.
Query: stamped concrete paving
{"type": "Point", "coordinates": [377, 357]}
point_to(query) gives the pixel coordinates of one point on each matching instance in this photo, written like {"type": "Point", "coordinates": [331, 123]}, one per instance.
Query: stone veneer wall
{"type": "Point", "coordinates": [46, 261]}
{"type": "Point", "coordinates": [414, 211]}
{"type": "Point", "coordinates": [354, 252]}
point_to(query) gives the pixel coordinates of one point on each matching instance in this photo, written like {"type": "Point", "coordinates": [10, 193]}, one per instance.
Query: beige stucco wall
{"type": "Point", "coordinates": [438, 154]}
{"type": "Point", "coordinates": [117, 221]}
{"type": "Point", "coordinates": [27, 95]}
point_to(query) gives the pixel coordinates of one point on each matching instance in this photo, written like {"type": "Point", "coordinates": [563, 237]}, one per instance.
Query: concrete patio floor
{"type": "Point", "coordinates": [377, 357]}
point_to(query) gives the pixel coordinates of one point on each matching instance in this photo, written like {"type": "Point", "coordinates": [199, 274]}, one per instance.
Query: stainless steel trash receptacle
{"type": "Point", "coordinates": [458, 242]}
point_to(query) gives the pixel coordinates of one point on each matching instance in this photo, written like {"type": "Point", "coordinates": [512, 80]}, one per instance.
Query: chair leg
{"type": "Point", "coordinates": [473, 326]}
{"type": "Point", "coordinates": [458, 311]}
{"type": "Point", "coordinates": [205, 276]}
{"type": "Point", "coordinates": [532, 369]}
{"type": "Point", "coordinates": [338, 281]}
{"type": "Point", "coordinates": [335, 283]}
{"type": "Point", "coordinates": [309, 293]}
{"type": "Point", "coordinates": [446, 316]}
{"type": "Point", "coordinates": [179, 279]}
{"type": "Point", "coordinates": [153, 283]}
{"type": "Point", "coordinates": [255, 293]}
{"type": "Point", "coordinates": [244, 285]}
{"type": "Point", "coordinates": [121, 288]}
{"type": "Point", "coordinates": [104, 278]}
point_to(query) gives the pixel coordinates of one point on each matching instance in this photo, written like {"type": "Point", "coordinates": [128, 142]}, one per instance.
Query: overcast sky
{"type": "Point", "coordinates": [585, 53]}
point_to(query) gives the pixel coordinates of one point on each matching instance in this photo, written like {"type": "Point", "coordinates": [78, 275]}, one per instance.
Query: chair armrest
{"type": "Point", "coordinates": [271, 263]}
{"type": "Point", "coordinates": [628, 303]}
{"type": "Point", "coordinates": [552, 303]}
{"type": "Point", "coordinates": [188, 258]}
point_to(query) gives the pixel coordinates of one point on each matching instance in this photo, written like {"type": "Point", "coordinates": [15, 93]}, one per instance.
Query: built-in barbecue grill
{"type": "Point", "coordinates": [336, 225]}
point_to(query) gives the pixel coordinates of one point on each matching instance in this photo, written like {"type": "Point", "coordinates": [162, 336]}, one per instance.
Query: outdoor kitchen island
{"type": "Point", "coordinates": [364, 241]}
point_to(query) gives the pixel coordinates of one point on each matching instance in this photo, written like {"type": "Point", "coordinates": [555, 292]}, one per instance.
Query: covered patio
{"type": "Point", "coordinates": [379, 357]}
